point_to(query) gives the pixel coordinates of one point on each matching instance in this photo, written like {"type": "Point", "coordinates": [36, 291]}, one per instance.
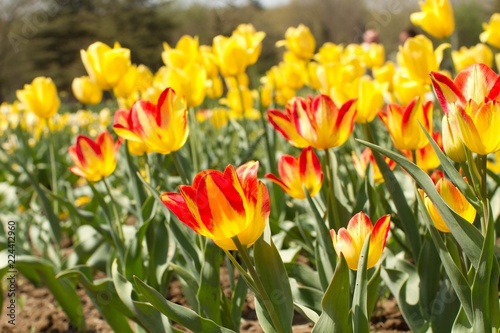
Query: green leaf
{"type": "Point", "coordinates": [103, 295]}
{"type": "Point", "coordinates": [429, 271]}
{"type": "Point", "coordinates": [336, 303]}
{"type": "Point", "coordinates": [184, 316]}
{"type": "Point", "coordinates": [454, 271]}
{"type": "Point", "coordinates": [158, 242]}
{"type": "Point", "coordinates": [359, 299]}
{"type": "Point", "coordinates": [307, 296]}
{"type": "Point", "coordinates": [445, 308]}
{"type": "Point", "coordinates": [469, 238]}
{"type": "Point", "coordinates": [64, 291]}
{"type": "Point", "coordinates": [137, 190]}
{"type": "Point", "coordinates": [373, 286]}
{"type": "Point", "coordinates": [209, 293]}
{"type": "Point", "coordinates": [272, 273]}
{"type": "Point", "coordinates": [304, 274]}
{"type": "Point", "coordinates": [311, 315]}
{"type": "Point", "coordinates": [408, 221]}
{"type": "Point", "coordinates": [461, 324]}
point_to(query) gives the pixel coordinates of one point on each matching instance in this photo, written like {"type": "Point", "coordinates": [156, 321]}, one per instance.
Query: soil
{"type": "Point", "coordinates": [38, 312]}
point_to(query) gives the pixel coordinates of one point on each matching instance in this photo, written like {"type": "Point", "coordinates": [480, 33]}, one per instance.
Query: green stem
{"type": "Point", "coordinates": [482, 166]}
{"type": "Point", "coordinates": [242, 102]}
{"type": "Point", "coordinates": [179, 168]}
{"type": "Point", "coordinates": [116, 228]}
{"type": "Point", "coordinates": [332, 211]}
{"type": "Point", "coordinates": [192, 140]}
{"type": "Point", "coordinates": [260, 290]}
{"type": "Point", "coordinates": [53, 169]}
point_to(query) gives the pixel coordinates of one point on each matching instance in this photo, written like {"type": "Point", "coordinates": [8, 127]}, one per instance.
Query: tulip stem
{"type": "Point", "coordinates": [116, 230]}
{"type": "Point", "coordinates": [242, 102]}
{"type": "Point", "coordinates": [192, 139]}
{"type": "Point", "coordinates": [259, 290]}
{"type": "Point", "coordinates": [53, 169]}
{"type": "Point", "coordinates": [180, 170]}
{"type": "Point", "coordinates": [333, 216]}
{"type": "Point", "coordinates": [482, 166]}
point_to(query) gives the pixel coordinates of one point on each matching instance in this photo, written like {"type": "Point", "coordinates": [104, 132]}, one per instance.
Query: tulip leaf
{"type": "Point", "coordinates": [158, 242]}
{"type": "Point", "coordinates": [64, 291]}
{"type": "Point", "coordinates": [306, 312]}
{"type": "Point", "coordinates": [455, 177]}
{"type": "Point", "coordinates": [307, 296]}
{"type": "Point", "coordinates": [182, 315]}
{"type": "Point", "coordinates": [372, 290]}
{"type": "Point", "coordinates": [445, 308]}
{"type": "Point", "coordinates": [209, 292]}
{"type": "Point", "coordinates": [359, 298]}
{"type": "Point", "coordinates": [461, 324]}
{"type": "Point", "coordinates": [103, 295]}
{"type": "Point", "coordinates": [408, 221]}
{"type": "Point", "coordinates": [485, 286]}
{"type": "Point", "coordinates": [454, 272]}
{"type": "Point", "coordinates": [336, 316]}
{"type": "Point", "coordinates": [429, 271]}
{"type": "Point", "coordinates": [469, 238]}
{"type": "Point", "coordinates": [304, 274]}
{"type": "Point", "coordinates": [272, 273]}
{"type": "Point", "coordinates": [137, 190]}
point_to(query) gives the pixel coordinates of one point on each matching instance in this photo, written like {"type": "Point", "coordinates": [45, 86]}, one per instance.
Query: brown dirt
{"type": "Point", "coordinates": [38, 312]}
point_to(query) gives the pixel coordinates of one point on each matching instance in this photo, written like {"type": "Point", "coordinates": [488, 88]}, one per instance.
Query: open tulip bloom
{"type": "Point", "coordinates": [223, 205]}
{"type": "Point", "coordinates": [472, 99]}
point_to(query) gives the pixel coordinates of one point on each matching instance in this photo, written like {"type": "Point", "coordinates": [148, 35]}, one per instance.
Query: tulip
{"type": "Point", "coordinates": [436, 18]}
{"type": "Point", "coordinates": [403, 123]}
{"type": "Point", "coordinates": [418, 57]}
{"type": "Point", "coordinates": [374, 55]}
{"type": "Point", "coordinates": [40, 97]}
{"type": "Point", "coordinates": [188, 82]}
{"type": "Point", "coordinates": [315, 122]}
{"type": "Point", "coordinates": [454, 199]}
{"type": "Point", "coordinates": [218, 117]}
{"type": "Point", "coordinates": [329, 53]}
{"type": "Point", "coordinates": [105, 65]}
{"type": "Point", "coordinates": [472, 100]}
{"type": "Point", "coordinates": [370, 100]}
{"type": "Point", "coordinates": [469, 56]}
{"type": "Point", "coordinates": [299, 41]}
{"type": "Point", "coordinates": [349, 242]}
{"type": "Point", "coordinates": [406, 88]}
{"type": "Point", "coordinates": [361, 164]}
{"type": "Point", "coordinates": [223, 205]}
{"type": "Point", "coordinates": [452, 143]}
{"type": "Point", "coordinates": [162, 128]}
{"type": "Point", "coordinates": [186, 52]}
{"type": "Point", "coordinates": [385, 74]}
{"type": "Point", "coordinates": [491, 34]}
{"type": "Point", "coordinates": [494, 164]}
{"type": "Point", "coordinates": [240, 101]}
{"type": "Point", "coordinates": [231, 55]}
{"type": "Point", "coordinates": [252, 39]}
{"type": "Point", "coordinates": [94, 160]}
{"type": "Point", "coordinates": [426, 157]}
{"type": "Point", "coordinates": [299, 173]}
{"type": "Point", "coordinates": [86, 91]}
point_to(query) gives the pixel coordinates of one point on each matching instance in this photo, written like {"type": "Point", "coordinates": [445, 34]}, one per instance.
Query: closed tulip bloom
{"type": "Point", "coordinates": [361, 164]}
{"type": "Point", "coordinates": [315, 122]}
{"type": "Point", "coordinates": [403, 123]}
{"type": "Point", "coordinates": [452, 142]}
{"type": "Point", "coordinates": [186, 51]}
{"type": "Point", "coordinates": [231, 55]}
{"type": "Point", "coordinates": [298, 173]}
{"type": "Point", "coordinates": [406, 88]}
{"type": "Point", "coordinates": [86, 91]}
{"type": "Point", "coordinates": [436, 18]}
{"type": "Point", "coordinates": [374, 55]}
{"type": "Point", "coordinates": [189, 82]}
{"type": "Point", "coordinates": [427, 159]}
{"type": "Point", "coordinates": [370, 100]}
{"type": "Point", "coordinates": [479, 54]}
{"type": "Point", "coordinates": [223, 205]}
{"type": "Point", "coordinates": [491, 34]}
{"type": "Point", "coordinates": [300, 41]}
{"type": "Point", "coordinates": [40, 97]}
{"type": "Point", "coordinates": [94, 160]}
{"type": "Point", "coordinates": [253, 40]}
{"type": "Point", "coordinates": [161, 127]}
{"type": "Point", "coordinates": [472, 100]}
{"type": "Point", "coordinates": [418, 57]}
{"type": "Point", "coordinates": [105, 65]}
{"type": "Point", "coordinates": [349, 242]}
{"type": "Point", "coordinates": [454, 199]}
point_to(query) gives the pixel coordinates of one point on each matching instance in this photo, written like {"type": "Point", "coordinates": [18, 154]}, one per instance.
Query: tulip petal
{"type": "Point", "coordinates": [346, 245]}
{"type": "Point", "coordinates": [446, 90]}
{"type": "Point", "coordinates": [378, 239]}
{"type": "Point", "coordinates": [477, 82]}
{"type": "Point", "coordinates": [311, 174]}
{"type": "Point", "coordinates": [487, 123]}
{"type": "Point", "coordinates": [284, 125]}
{"type": "Point", "coordinates": [359, 227]}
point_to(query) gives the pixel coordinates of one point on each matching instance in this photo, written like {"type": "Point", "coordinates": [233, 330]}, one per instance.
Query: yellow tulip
{"type": "Point", "coordinates": [86, 91]}
{"type": "Point", "coordinates": [299, 41]}
{"type": "Point", "coordinates": [436, 18]}
{"type": "Point", "coordinates": [231, 55]}
{"type": "Point", "coordinates": [40, 97]}
{"type": "Point", "coordinates": [370, 99]}
{"type": "Point", "coordinates": [406, 88]}
{"type": "Point", "coordinates": [218, 117]}
{"type": "Point", "coordinates": [313, 80]}
{"type": "Point", "coordinates": [385, 74]}
{"type": "Point", "coordinates": [494, 165]}
{"type": "Point", "coordinates": [469, 56]}
{"type": "Point", "coordinates": [418, 57]}
{"type": "Point", "coordinates": [252, 39]}
{"type": "Point", "coordinates": [452, 143]}
{"type": "Point", "coordinates": [374, 55]}
{"type": "Point", "coordinates": [214, 87]}
{"type": "Point", "coordinates": [105, 65]}
{"type": "Point", "coordinates": [329, 53]}
{"type": "Point", "coordinates": [491, 34]}
{"type": "Point", "coordinates": [188, 82]}
{"type": "Point", "coordinates": [454, 199]}
{"type": "Point", "coordinates": [186, 51]}
{"type": "Point", "coordinates": [234, 101]}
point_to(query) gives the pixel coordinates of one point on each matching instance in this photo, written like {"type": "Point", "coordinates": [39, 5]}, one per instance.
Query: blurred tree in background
{"type": "Point", "coordinates": [44, 37]}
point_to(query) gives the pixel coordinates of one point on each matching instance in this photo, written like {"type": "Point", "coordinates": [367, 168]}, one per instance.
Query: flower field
{"type": "Point", "coordinates": [336, 181]}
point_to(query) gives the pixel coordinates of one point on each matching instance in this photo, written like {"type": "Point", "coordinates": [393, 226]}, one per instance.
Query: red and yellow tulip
{"type": "Point", "coordinates": [94, 160]}
{"type": "Point", "coordinates": [162, 128]}
{"type": "Point", "coordinates": [436, 18]}
{"type": "Point", "coordinates": [361, 164]}
{"type": "Point", "coordinates": [472, 99]}
{"type": "Point", "coordinates": [454, 199]}
{"type": "Point", "coordinates": [223, 205]}
{"type": "Point", "coordinates": [298, 173]}
{"type": "Point", "coordinates": [349, 242]}
{"type": "Point", "coordinates": [403, 123]}
{"type": "Point", "coordinates": [40, 97]}
{"type": "Point", "coordinates": [315, 122]}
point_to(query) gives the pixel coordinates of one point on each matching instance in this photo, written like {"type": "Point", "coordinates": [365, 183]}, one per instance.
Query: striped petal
{"type": "Point", "coordinates": [456, 200]}
{"type": "Point", "coordinates": [446, 90]}
{"type": "Point", "coordinates": [284, 125]}
{"type": "Point", "coordinates": [477, 82]}
{"type": "Point", "coordinates": [468, 131]}
{"type": "Point", "coordinates": [311, 174]}
{"type": "Point", "coordinates": [487, 123]}
{"type": "Point", "coordinates": [346, 245]}
{"type": "Point", "coordinates": [378, 239]}
{"type": "Point", "coordinates": [359, 227]}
